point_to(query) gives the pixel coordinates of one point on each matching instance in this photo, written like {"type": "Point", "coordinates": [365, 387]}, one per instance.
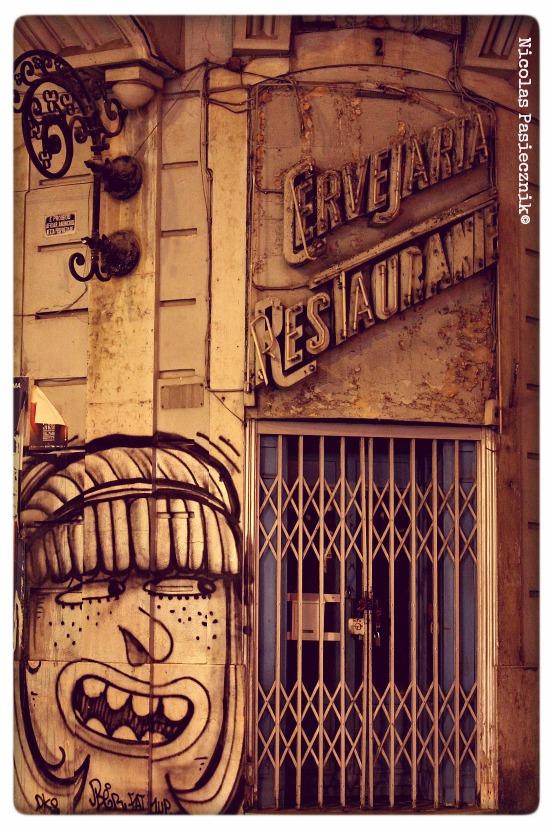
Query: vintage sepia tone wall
{"type": "Point", "coordinates": [128, 367]}
{"type": "Point", "coordinates": [133, 582]}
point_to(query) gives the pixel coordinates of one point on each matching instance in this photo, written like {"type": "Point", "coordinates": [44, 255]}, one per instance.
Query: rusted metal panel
{"type": "Point", "coordinates": [182, 396]}
{"type": "Point", "coordinates": [430, 363]}
{"type": "Point", "coordinates": [342, 169]}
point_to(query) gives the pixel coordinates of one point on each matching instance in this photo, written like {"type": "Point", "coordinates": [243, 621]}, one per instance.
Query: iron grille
{"type": "Point", "coordinates": [383, 530]}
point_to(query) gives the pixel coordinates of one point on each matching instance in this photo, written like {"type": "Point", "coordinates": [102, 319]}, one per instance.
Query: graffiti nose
{"type": "Point", "coordinates": [159, 648]}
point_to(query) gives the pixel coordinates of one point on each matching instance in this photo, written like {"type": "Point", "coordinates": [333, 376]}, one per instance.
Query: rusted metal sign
{"type": "Point", "coordinates": [316, 203]}
{"type": "Point", "coordinates": [352, 296]}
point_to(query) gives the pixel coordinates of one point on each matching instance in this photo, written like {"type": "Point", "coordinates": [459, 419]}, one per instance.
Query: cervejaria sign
{"type": "Point", "coordinates": [317, 203]}
{"type": "Point", "coordinates": [402, 271]}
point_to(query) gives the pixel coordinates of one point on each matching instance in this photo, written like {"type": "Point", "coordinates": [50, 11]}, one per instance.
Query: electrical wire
{"type": "Point", "coordinates": [261, 287]}
{"type": "Point", "coordinates": [456, 84]}
{"type": "Point", "coordinates": [232, 412]}
{"type": "Point", "coordinates": [358, 66]}
{"type": "Point", "coordinates": [60, 310]}
{"type": "Point", "coordinates": [160, 121]}
{"type": "Point", "coordinates": [224, 106]}
{"type": "Point", "coordinates": [232, 104]}
{"type": "Point", "coordinates": [207, 189]}
{"type": "Point", "coordinates": [460, 90]}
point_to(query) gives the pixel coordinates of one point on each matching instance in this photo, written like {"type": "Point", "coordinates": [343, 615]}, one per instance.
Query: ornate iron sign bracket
{"type": "Point", "coordinates": [60, 106]}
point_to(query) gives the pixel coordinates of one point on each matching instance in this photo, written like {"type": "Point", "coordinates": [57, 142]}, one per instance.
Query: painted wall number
{"type": "Point", "coordinates": [379, 47]}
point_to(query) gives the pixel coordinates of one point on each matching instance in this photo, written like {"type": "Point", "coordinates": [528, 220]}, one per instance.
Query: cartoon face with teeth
{"type": "Point", "coordinates": [130, 678]}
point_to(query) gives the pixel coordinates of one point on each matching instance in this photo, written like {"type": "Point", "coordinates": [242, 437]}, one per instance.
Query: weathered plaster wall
{"type": "Point", "coordinates": [121, 330]}
{"type": "Point", "coordinates": [437, 362]}
{"type": "Point", "coordinates": [159, 351]}
{"type": "Point", "coordinates": [164, 351]}
{"type": "Point", "coordinates": [51, 329]}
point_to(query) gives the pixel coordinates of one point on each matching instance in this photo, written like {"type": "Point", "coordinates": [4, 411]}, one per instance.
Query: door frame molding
{"type": "Point", "coordinates": [487, 631]}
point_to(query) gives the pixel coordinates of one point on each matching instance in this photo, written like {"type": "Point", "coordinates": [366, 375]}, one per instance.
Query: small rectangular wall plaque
{"type": "Point", "coordinates": [60, 224]}
{"type": "Point", "coordinates": [182, 396]}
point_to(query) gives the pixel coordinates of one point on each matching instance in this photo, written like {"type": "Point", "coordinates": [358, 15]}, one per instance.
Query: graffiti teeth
{"type": "Point", "coordinates": [175, 708]}
{"type": "Point", "coordinates": [116, 698]}
{"type": "Point", "coordinates": [93, 687]}
{"type": "Point", "coordinates": [124, 733]}
{"type": "Point", "coordinates": [141, 705]}
{"type": "Point", "coordinates": [96, 726]}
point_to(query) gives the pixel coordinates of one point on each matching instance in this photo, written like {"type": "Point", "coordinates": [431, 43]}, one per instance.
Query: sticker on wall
{"type": "Point", "coordinates": [60, 224]}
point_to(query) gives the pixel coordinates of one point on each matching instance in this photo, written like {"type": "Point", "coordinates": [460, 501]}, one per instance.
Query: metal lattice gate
{"type": "Point", "coordinates": [364, 693]}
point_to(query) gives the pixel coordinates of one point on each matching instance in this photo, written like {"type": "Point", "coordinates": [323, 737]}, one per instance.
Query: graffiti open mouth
{"type": "Point", "coordinates": [126, 716]}
{"type": "Point", "coordinates": [111, 710]}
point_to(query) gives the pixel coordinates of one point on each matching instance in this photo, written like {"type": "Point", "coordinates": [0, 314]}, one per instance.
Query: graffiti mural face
{"type": "Point", "coordinates": [130, 686]}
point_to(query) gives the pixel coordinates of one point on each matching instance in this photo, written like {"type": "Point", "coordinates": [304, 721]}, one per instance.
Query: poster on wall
{"type": "Point", "coordinates": [48, 430]}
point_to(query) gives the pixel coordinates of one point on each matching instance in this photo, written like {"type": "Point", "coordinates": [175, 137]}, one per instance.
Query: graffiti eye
{"type": "Point", "coordinates": [93, 591]}
{"type": "Point", "coordinates": [179, 587]}
{"type": "Point", "coordinates": [115, 588]}
{"type": "Point", "coordinates": [72, 597]}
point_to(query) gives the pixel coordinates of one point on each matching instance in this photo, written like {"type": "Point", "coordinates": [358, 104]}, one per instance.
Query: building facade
{"type": "Point", "coordinates": [293, 453]}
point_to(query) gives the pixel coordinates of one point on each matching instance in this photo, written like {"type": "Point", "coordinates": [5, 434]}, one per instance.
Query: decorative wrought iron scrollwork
{"type": "Point", "coordinates": [60, 106]}
{"type": "Point", "coordinates": [112, 256]}
{"type": "Point", "coordinates": [118, 254]}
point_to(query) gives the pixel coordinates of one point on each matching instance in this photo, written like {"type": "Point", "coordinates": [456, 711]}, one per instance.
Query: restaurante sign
{"type": "Point", "coordinates": [398, 273]}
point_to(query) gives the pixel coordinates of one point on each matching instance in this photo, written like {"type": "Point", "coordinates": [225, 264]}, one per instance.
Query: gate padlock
{"type": "Point", "coordinates": [377, 626]}
{"type": "Point", "coordinates": [356, 626]}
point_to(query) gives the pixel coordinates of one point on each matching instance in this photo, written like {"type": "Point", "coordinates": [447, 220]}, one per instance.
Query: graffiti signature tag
{"type": "Point", "coordinates": [46, 805]}
{"type": "Point", "coordinates": [163, 806]}
{"type": "Point", "coordinates": [104, 798]}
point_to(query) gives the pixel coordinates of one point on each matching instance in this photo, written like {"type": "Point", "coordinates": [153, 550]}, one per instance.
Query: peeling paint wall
{"type": "Point", "coordinates": [432, 363]}
{"type": "Point", "coordinates": [439, 362]}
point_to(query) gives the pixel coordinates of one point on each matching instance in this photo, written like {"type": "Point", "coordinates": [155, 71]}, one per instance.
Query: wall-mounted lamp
{"type": "Point", "coordinates": [58, 106]}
